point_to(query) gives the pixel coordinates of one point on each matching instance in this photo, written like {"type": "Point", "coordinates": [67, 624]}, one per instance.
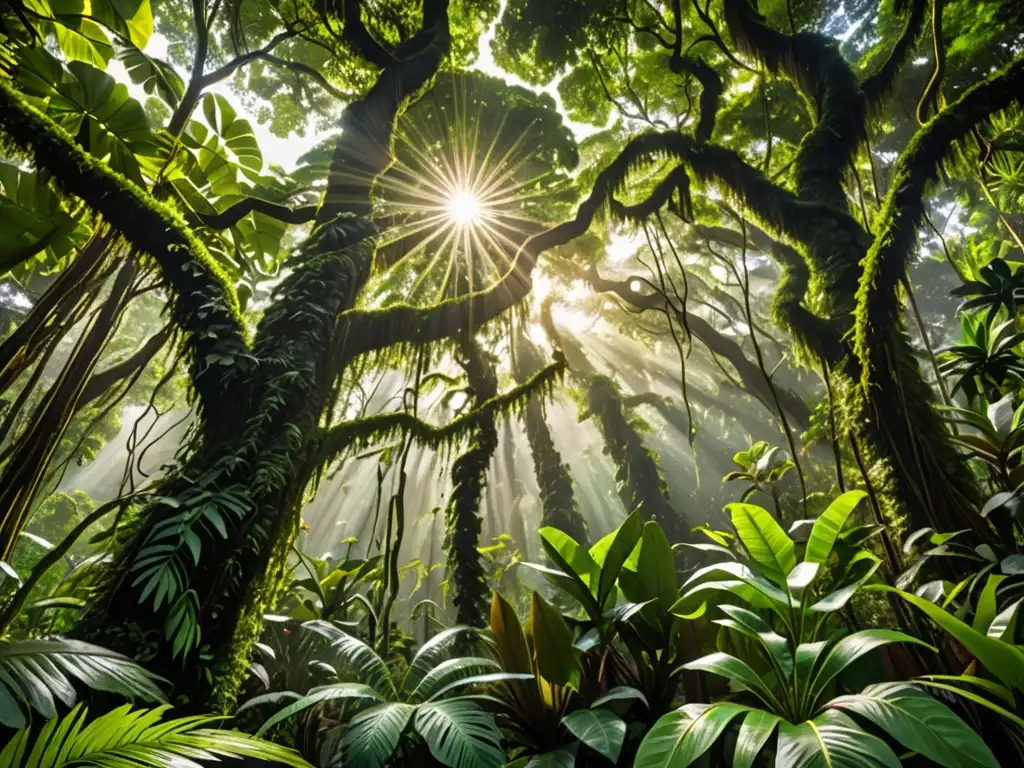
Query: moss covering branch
{"type": "Point", "coordinates": [750, 373]}
{"type": "Point", "coordinates": [361, 433]}
{"type": "Point", "coordinates": [878, 85]}
{"type": "Point", "coordinates": [203, 300]}
{"type": "Point", "coordinates": [885, 265]}
{"type": "Point", "coordinates": [815, 65]}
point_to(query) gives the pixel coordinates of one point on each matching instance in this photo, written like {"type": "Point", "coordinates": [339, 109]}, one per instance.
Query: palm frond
{"type": "Point", "coordinates": [127, 737]}
{"type": "Point", "coordinates": [36, 672]}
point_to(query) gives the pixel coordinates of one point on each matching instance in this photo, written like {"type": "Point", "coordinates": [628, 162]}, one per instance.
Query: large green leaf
{"type": "Point", "coordinates": [764, 539]}
{"type": "Point", "coordinates": [829, 525]}
{"type": "Point", "coordinates": [920, 723]}
{"type": "Point", "coordinates": [235, 132]}
{"type": "Point", "coordinates": [600, 729]}
{"type": "Point", "coordinates": [655, 574]}
{"type": "Point", "coordinates": [752, 625]}
{"type": "Point", "coordinates": [460, 734]}
{"type": "Point", "coordinates": [758, 726]}
{"type": "Point", "coordinates": [372, 736]}
{"type": "Point", "coordinates": [357, 654]}
{"type": "Point", "coordinates": [1003, 660]}
{"type": "Point", "coordinates": [986, 608]}
{"type": "Point", "coordinates": [319, 695]}
{"type": "Point", "coordinates": [571, 586]}
{"type": "Point", "coordinates": [831, 740]}
{"type": "Point", "coordinates": [736, 670]}
{"type": "Point", "coordinates": [613, 550]}
{"type": "Point", "coordinates": [508, 636]}
{"type": "Point", "coordinates": [430, 653]}
{"type": "Point", "coordinates": [569, 555]}
{"type": "Point", "coordinates": [155, 76]}
{"type": "Point", "coordinates": [852, 647]}
{"type": "Point", "coordinates": [681, 737]}
{"type": "Point", "coordinates": [90, 104]}
{"type": "Point", "coordinates": [38, 671]}
{"type": "Point", "coordinates": [125, 737]}
{"type": "Point", "coordinates": [449, 671]}
{"type": "Point", "coordinates": [552, 644]}
{"type": "Point", "coordinates": [32, 221]}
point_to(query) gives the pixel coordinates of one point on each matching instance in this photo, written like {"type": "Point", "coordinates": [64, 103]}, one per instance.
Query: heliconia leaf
{"type": "Point", "coordinates": [736, 670]}
{"type": "Point", "coordinates": [920, 723]}
{"type": "Point", "coordinates": [829, 524]}
{"type": "Point", "coordinates": [655, 574]}
{"type": "Point", "coordinates": [985, 609]}
{"type": "Point", "coordinates": [765, 541]}
{"type": "Point", "coordinates": [460, 734]}
{"type": "Point", "coordinates": [680, 738]}
{"type": "Point", "coordinates": [831, 740]}
{"type": "Point", "coordinates": [1002, 659]}
{"type": "Point", "coordinates": [752, 625]}
{"type": "Point", "coordinates": [552, 643]}
{"type": "Point", "coordinates": [758, 726]}
{"type": "Point", "coordinates": [854, 646]}
{"type": "Point", "coordinates": [613, 550]}
{"type": "Point", "coordinates": [569, 555]}
{"type": "Point", "coordinates": [372, 736]}
{"type": "Point", "coordinates": [620, 693]}
{"type": "Point", "coordinates": [600, 729]}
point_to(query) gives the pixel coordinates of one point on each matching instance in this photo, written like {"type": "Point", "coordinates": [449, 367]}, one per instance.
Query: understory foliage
{"type": "Point", "coordinates": [360, 407]}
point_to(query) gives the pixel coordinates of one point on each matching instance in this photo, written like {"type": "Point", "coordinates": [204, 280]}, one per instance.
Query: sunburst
{"type": "Point", "coordinates": [463, 197]}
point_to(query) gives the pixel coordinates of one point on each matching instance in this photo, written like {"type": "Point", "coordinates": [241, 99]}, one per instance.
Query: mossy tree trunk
{"type": "Point", "coordinates": [205, 560]}
{"type": "Point", "coordinates": [558, 500]}
{"type": "Point", "coordinates": [467, 580]}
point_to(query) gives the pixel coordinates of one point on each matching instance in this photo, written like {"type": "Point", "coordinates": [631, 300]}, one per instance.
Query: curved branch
{"type": "Point", "coordinates": [879, 85]}
{"type": "Point", "coordinates": [676, 180]}
{"type": "Point", "coordinates": [751, 375]}
{"type": "Point", "coordinates": [364, 151]}
{"type": "Point", "coordinates": [885, 266]}
{"type": "Point", "coordinates": [307, 71]}
{"type": "Point", "coordinates": [101, 382]}
{"type": "Point", "coordinates": [204, 303]}
{"type": "Point", "coordinates": [815, 65]}
{"type": "Point", "coordinates": [363, 432]}
{"type": "Point", "coordinates": [710, 94]}
{"type": "Point", "coordinates": [231, 216]}
{"type": "Point", "coordinates": [359, 37]}
{"type": "Point", "coordinates": [365, 330]}
{"type": "Point", "coordinates": [212, 78]}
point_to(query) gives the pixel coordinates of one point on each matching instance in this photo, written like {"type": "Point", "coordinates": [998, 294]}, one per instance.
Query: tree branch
{"type": "Point", "coordinates": [364, 150]}
{"type": "Point", "coordinates": [231, 216]}
{"type": "Point", "coordinates": [363, 432]}
{"type": "Point", "coordinates": [750, 373]}
{"type": "Point", "coordinates": [879, 85]}
{"type": "Point", "coordinates": [203, 299]}
{"type": "Point", "coordinates": [358, 36]}
{"type": "Point", "coordinates": [101, 382]}
{"type": "Point", "coordinates": [885, 266]}
{"type": "Point", "coordinates": [303, 69]}
{"type": "Point", "coordinates": [815, 65]}
{"type": "Point", "coordinates": [229, 69]}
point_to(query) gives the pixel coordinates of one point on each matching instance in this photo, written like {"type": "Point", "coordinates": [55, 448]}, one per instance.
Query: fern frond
{"type": "Point", "coordinates": [127, 737]}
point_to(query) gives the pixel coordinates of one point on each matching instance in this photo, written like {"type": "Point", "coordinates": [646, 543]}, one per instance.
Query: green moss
{"type": "Point", "coordinates": [386, 426]}
{"type": "Point", "coordinates": [204, 303]}
{"type": "Point", "coordinates": [878, 306]}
